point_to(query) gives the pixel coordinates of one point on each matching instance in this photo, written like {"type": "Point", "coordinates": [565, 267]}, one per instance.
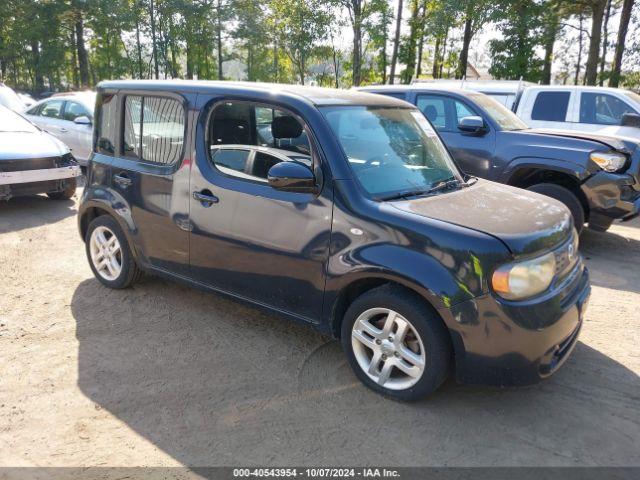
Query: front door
{"type": "Point", "coordinates": [472, 152]}
{"type": "Point", "coordinates": [248, 239]}
{"type": "Point", "coordinates": [79, 135]}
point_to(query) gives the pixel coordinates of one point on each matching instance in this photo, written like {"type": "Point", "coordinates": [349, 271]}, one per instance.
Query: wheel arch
{"type": "Point", "coordinates": [524, 176]}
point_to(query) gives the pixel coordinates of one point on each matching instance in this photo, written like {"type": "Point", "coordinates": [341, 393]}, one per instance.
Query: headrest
{"type": "Point", "coordinates": [430, 112]}
{"type": "Point", "coordinates": [286, 127]}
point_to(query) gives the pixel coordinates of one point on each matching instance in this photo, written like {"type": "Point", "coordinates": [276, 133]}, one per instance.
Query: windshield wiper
{"type": "Point", "coordinates": [405, 194]}
{"type": "Point", "coordinates": [446, 184]}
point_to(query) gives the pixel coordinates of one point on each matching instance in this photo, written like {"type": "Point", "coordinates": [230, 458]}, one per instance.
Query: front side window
{"type": "Point", "coordinates": [602, 109]}
{"type": "Point", "coordinates": [74, 110]}
{"type": "Point", "coordinates": [391, 150]}
{"type": "Point", "coordinates": [153, 129]}
{"type": "Point", "coordinates": [246, 139]}
{"type": "Point", "coordinates": [52, 109]}
{"type": "Point", "coordinates": [551, 106]}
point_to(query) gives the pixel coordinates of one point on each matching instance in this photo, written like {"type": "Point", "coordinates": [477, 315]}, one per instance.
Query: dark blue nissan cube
{"type": "Point", "coordinates": [341, 210]}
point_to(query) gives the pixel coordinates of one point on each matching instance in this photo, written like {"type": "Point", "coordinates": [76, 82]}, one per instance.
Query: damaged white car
{"type": "Point", "coordinates": [32, 161]}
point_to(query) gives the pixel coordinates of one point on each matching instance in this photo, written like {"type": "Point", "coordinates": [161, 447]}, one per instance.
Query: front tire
{"type": "Point", "coordinates": [109, 254]}
{"type": "Point", "coordinates": [396, 344]}
{"type": "Point", "coordinates": [565, 196]}
{"type": "Point", "coordinates": [68, 192]}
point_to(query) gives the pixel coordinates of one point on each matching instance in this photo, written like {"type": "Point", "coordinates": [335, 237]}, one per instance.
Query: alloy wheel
{"type": "Point", "coordinates": [106, 253]}
{"type": "Point", "coordinates": [388, 348]}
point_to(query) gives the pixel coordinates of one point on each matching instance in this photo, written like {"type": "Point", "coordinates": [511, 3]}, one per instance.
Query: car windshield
{"type": "Point", "coordinates": [633, 96]}
{"type": "Point", "coordinates": [10, 99]}
{"type": "Point", "coordinates": [392, 151]}
{"type": "Point", "coordinates": [505, 118]}
{"type": "Point", "coordinates": [12, 122]}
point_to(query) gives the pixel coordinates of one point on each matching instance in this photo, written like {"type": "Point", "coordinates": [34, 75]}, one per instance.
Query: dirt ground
{"type": "Point", "coordinates": [164, 375]}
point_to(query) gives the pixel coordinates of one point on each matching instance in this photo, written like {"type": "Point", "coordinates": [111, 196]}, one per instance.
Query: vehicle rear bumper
{"type": "Point", "coordinates": [517, 343]}
{"type": "Point", "coordinates": [611, 196]}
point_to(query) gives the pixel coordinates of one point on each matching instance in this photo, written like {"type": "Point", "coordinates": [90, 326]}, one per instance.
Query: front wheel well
{"type": "Point", "coordinates": [527, 177]}
{"type": "Point", "coordinates": [352, 291]}
{"type": "Point", "coordinates": [88, 216]}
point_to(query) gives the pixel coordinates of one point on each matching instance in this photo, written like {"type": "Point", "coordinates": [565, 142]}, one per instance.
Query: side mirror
{"type": "Point", "coordinates": [631, 120]}
{"type": "Point", "coordinates": [292, 177]}
{"type": "Point", "coordinates": [473, 124]}
{"type": "Point", "coordinates": [82, 120]}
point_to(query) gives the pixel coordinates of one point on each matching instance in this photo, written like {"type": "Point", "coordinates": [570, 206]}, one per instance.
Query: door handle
{"type": "Point", "coordinates": [206, 198]}
{"type": "Point", "coordinates": [122, 180]}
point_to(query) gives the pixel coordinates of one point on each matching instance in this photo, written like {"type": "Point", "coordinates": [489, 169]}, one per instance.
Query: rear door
{"type": "Point", "coordinates": [473, 153]}
{"type": "Point", "coordinates": [150, 173]}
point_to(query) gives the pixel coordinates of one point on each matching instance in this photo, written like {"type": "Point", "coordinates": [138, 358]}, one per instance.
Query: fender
{"type": "Point", "coordinates": [574, 170]}
{"type": "Point", "coordinates": [116, 206]}
{"type": "Point", "coordinates": [383, 262]}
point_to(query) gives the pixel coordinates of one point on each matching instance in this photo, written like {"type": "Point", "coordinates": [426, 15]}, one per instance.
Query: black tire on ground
{"type": "Point", "coordinates": [67, 193]}
{"type": "Point", "coordinates": [130, 272]}
{"type": "Point", "coordinates": [566, 196]}
{"type": "Point", "coordinates": [427, 324]}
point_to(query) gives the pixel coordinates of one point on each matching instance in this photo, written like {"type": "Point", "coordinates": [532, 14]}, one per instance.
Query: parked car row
{"type": "Point", "coordinates": [608, 111]}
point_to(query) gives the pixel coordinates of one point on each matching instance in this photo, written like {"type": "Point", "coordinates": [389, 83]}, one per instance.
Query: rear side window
{"type": "Point", "coordinates": [434, 109]}
{"type": "Point", "coordinates": [551, 106]}
{"type": "Point", "coordinates": [153, 129]}
{"type": "Point", "coordinates": [106, 124]}
{"type": "Point", "coordinates": [74, 110]}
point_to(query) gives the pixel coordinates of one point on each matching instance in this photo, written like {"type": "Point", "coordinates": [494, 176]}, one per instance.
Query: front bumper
{"type": "Point", "coordinates": [611, 196]}
{"type": "Point", "coordinates": [497, 342]}
{"type": "Point", "coordinates": [42, 175]}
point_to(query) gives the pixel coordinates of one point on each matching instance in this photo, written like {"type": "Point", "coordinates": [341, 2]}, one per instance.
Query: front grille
{"type": "Point", "coordinates": [30, 164]}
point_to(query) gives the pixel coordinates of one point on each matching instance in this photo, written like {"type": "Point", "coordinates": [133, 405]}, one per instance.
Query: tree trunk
{"type": "Point", "coordinates": [138, 47]}
{"type": "Point", "coordinates": [219, 38]}
{"type": "Point", "coordinates": [384, 47]}
{"type": "Point", "coordinates": [436, 58]}
{"type": "Point", "coordinates": [597, 16]}
{"type": "Point", "coordinates": [605, 41]}
{"type": "Point", "coordinates": [625, 17]}
{"type": "Point", "coordinates": [549, 42]}
{"type": "Point", "coordinates": [37, 70]}
{"type": "Point", "coordinates": [396, 43]}
{"type": "Point", "coordinates": [356, 12]}
{"type": "Point", "coordinates": [154, 47]}
{"type": "Point", "coordinates": [83, 61]}
{"type": "Point", "coordinates": [464, 53]}
{"type": "Point", "coordinates": [578, 64]}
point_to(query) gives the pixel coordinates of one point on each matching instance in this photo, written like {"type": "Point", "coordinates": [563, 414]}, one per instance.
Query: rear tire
{"type": "Point", "coordinates": [566, 196]}
{"type": "Point", "coordinates": [396, 344]}
{"type": "Point", "coordinates": [67, 193]}
{"type": "Point", "coordinates": [109, 254]}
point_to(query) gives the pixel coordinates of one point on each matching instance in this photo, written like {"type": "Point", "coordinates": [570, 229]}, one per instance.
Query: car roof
{"type": "Point", "coordinates": [420, 87]}
{"type": "Point", "coordinates": [318, 96]}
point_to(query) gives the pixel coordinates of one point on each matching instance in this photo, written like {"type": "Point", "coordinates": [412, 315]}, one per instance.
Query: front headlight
{"type": "Point", "coordinates": [610, 162]}
{"type": "Point", "coordinates": [520, 280]}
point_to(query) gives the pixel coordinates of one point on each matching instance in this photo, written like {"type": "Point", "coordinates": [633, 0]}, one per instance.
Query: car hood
{"type": "Point", "coordinates": [524, 221]}
{"type": "Point", "coordinates": [608, 141]}
{"type": "Point", "coordinates": [23, 145]}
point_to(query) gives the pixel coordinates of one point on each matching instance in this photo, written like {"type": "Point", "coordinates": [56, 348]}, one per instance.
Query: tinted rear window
{"type": "Point", "coordinates": [551, 106]}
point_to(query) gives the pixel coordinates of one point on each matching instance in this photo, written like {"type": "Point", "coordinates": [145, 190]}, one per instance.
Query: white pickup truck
{"type": "Point", "coordinates": [609, 111]}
